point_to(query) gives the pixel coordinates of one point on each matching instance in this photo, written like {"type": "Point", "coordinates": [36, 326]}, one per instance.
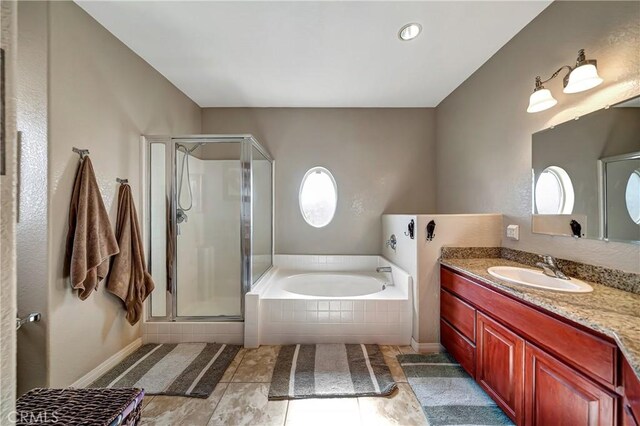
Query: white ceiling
{"type": "Point", "coordinates": [314, 53]}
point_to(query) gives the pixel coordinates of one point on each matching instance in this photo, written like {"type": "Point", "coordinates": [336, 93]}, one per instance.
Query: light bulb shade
{"type": "Point", "coordinates": [540, 100]}
{"type": "Point", "coordinates": [583, 78]}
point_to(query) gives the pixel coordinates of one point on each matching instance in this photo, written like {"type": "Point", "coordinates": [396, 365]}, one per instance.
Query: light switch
{"type": "Point", "coordinates": [513, 232]}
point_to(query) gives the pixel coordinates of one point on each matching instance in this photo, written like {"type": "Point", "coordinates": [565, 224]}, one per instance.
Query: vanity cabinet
{"type": "Point", "coordinates": [500, 365]}
{"type": "Point", "coordinates": [540, 368]}
{"type": "Point", "coordinates": [557, 394]}
{"type": "Point", "coordinates": [631, 399]}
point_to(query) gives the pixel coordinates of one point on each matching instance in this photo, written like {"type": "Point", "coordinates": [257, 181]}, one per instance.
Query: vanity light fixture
{"type": "Point", "coordinates": [410, 31]}
{"type": "Point", "coordinates": [583, 76]}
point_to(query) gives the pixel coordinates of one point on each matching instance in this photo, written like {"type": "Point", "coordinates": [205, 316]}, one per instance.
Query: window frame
{"type": "Point", "coordinates": [565, 185]}
{"type": "Point", "coordinates": [326, 171]}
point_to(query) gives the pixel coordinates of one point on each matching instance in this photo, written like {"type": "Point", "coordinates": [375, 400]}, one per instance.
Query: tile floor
{"type": "Point", "coordinates": [241, 399]}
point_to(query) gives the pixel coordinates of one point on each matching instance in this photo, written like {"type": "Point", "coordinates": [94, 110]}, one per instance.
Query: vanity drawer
{"type": "Point", "coordinates": [459, 347]}
{"type": "Point", "coordinates": [459, 314]}
{"type": "Point", "coordinates": [582, 350]}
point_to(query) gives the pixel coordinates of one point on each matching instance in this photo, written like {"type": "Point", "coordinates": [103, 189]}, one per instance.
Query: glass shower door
{"type": "Point", "coordinates": [209, 219]}
{"type": "Point", "coordinates": [208, 253]}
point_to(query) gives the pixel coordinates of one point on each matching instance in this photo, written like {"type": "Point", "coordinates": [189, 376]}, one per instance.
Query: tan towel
{"type": "Point", "coordinates": [129, 279]}
{"type": "Point", "coordinates": [90, 239]}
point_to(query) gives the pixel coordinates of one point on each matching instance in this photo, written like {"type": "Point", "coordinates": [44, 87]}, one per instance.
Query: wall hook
{"type": "Point", "coordinates": [576, 228]}
{"type": "Point", "coordinates": [431, 227]}
{"type": "Point", "coordinates": [122, 181]}
{"type": "Point", "coordinates": [410, 228]}
{"type": "Point", "coordinates": [81, 152]}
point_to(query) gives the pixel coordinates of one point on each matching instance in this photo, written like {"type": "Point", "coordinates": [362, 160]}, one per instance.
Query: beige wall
{"type": "Point", "coordinates": [31, 229]}
{"type": "Point", "coordinates": [102, 97]}
{"type": "Point", "coordinates": [8, 33]}
{"type": "Point", "coordinates": [382, 160]}
{"type": "Point", "coordinates": [484, 131]}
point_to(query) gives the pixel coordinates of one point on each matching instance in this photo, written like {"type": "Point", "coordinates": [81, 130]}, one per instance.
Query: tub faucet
{"type": "Point", "coordinates": [388, 270]}
{"type": "Point", "coordinates": [550, 267]}
{"type": "Point", "coordinates": [391, 242]}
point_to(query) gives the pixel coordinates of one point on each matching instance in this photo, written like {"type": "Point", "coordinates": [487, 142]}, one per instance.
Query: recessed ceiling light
{"type": "Point", "coordinates": [409, 31]}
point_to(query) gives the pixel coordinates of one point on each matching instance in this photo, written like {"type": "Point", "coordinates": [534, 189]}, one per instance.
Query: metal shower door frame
{"type": "Point", "coordinates": [247, 143]}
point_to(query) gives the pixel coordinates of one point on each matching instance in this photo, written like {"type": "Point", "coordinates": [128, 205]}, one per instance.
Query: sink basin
{"type": "Point", "coordinates": [537, 279]}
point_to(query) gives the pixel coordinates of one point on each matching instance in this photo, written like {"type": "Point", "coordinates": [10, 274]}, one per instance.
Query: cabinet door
{"type": "Point", "coordinates": [628, 419]}
{"type": "Point", "coordinates": [631, 385]}
{"type": "Point", "coordinates": [500, 366]}
{"type": "Point", "coordinates": [555, 394]}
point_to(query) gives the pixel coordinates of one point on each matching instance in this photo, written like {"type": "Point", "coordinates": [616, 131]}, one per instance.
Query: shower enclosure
{"type": "Point", "coordinates": [209, 222]}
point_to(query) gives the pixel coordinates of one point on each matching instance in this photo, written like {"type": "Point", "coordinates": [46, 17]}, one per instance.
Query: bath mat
{"type": "Point", "coordinates": [448, 395]}
{"type": "Point", "coordinates": [185, 369]}
{"type": "Point", "coordinates": [330, 371]}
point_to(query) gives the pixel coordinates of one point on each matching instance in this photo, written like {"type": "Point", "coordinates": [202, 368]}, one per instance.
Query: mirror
{"type": "Point", "coordinates": [586, 176]}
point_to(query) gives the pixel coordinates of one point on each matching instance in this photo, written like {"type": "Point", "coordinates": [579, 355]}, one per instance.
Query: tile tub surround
{"type": "Point", "coordinates": [241, 398]}
{"type": "Point", "coordinates": [231, 333]}
{"type": "Point", "coordinates": [607, 310]}
{"type": "Point", "coordinates": [275, 316]}
{"type": "Point", "coordinates": [627, 281]}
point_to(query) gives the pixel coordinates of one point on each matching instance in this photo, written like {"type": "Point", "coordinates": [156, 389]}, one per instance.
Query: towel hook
{"type": "Point", "coordinates": [122, 181]}
{"type": "Point", "coordinates": [81, 152]}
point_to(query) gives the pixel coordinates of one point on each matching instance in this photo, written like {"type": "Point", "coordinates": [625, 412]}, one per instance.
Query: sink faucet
{"type": "Point", "coordinates": [550, 267]}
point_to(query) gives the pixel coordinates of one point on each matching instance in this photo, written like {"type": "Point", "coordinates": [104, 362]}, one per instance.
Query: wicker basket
{"type": "Point", "coordinates": [107, 407]}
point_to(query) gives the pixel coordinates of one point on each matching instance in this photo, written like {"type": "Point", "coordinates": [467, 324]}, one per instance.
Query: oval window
{"type": "Point", "coordinates": [554, 192]}
{"type": "Point", "coordinates": [632, 196]}
{"type": "Point", "coordinates": [318, 197]}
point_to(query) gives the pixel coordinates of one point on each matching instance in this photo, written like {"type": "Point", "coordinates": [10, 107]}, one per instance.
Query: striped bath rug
{"type": "Point", "coordinates": [330, 371]}
{"type": "Point", "coordinates": [448, 395]}
{"type": "Point", "coordinates": [185, 369]}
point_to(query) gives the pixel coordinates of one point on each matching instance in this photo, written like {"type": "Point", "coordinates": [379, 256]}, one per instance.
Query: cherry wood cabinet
{"type": "Point", "coordinates": [595, 354]}
{"type": "Point", "coordinates": [500, 365]}
{"type": "Point", "coordinates": [558, 395]}
{"type": "Point", "coordinates": [459, 314]}
{"type": "Point", "coordinates": [540, 368]}
{"type": "Point", "coordinates": [631, 399]}
{"type": "Point", "coordinates": [459, 347]}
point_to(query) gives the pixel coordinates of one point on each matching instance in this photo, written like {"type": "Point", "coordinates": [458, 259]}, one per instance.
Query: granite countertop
{"type": "Point", "coordinates": [613, 312]}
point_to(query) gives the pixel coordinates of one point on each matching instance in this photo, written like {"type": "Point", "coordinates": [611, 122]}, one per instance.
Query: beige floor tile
{"type": "Point", "coordinates": [257, 365]}
{"type": "Point", "coordinates": [176, 410]}
{"type": "Point", "coordinates": [147, 399]}
{"type": "Point", "coordinates": [406, 350]}
{"type": "Point", "coordinates": [247, 404]}
{"type": "Point", "coordinates": [390, 353]}
{"type": "Point", "coordinates": [400, 408]}
{"type": "Point", "coordinates": [323, 412]}
{"type": "Point", "coordinates": [231, 369]}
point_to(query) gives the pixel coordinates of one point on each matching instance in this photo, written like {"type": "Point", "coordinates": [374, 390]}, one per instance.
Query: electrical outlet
{"type": "Point", "coordinates": [513, 232]}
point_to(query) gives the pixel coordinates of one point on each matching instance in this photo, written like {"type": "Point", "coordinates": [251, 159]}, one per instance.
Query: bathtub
{"type": "Point", "coordinates": [329, 299]}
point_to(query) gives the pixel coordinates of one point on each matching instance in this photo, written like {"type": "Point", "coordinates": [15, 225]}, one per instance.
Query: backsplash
{"type": "Point", "coordinates": [615, 278]}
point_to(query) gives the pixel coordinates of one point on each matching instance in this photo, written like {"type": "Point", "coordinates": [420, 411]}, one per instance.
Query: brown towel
{"type": "Point", "coordinates": [90, 239]}
{"type": "Point", "coordinates": [129, 279]}
{"type": "Point", "coordinates": [170, 250]}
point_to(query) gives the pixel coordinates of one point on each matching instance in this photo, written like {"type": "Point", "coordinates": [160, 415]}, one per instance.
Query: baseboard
{"type": "Point", "coordinates": [107, 365]}
{"type": "Point", "coordinates": [426, 347]}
